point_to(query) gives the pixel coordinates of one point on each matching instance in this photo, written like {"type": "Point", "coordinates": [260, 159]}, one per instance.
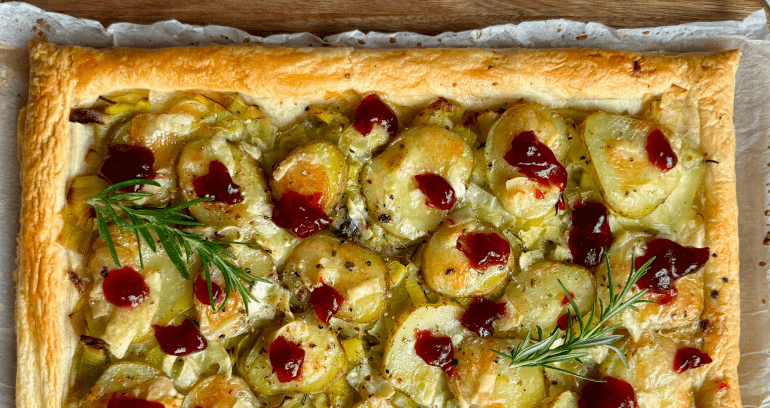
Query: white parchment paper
{"type": "Point", "coordinates": [19, 22]}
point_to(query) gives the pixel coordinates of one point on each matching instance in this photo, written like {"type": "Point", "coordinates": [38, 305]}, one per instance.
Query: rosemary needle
{"type": "Point", "coordinates": [543, 353]}
{"type": "Point", "coordinates": [111, 204]}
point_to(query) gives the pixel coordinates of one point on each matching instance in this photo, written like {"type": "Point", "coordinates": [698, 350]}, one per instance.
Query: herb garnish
{"type": "Point", "coordinates": [111, 205]}
{"type": "Point", "coordinates": [542, 353]}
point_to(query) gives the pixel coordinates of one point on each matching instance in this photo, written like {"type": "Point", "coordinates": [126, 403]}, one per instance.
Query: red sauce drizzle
{"type": "Point", "coordinates": [481, 315]}
{"type": "Point", "coordinates": [689, 357]}
{"type": "Point", "coordinates": [127, 162]}
{"type": "Point", "coordinates": [561, 205]}
{"type": "Point", "coordinates": [286, 359]}
{"type": "Point", "coordinates": [659, 151]}
{"type": "Point", "coordinates": [201, 291]}
{"type": "Point", "coordinates": [302, 215]}
{"type": "Point", "coordinates": [373, 111]}
{"type": "Point", "coordinates": [614, 393]}
{"type": "Point", "coordinates": [590, 237]}
{"type": "Point", "coordinates": [218, 185]}
{"type": "Point", "coordinates": [484, 250]}
{"type": "Point", "coordinates": [565, 299]}
{"type": "Point", "coordinates": [326, 302]}
{"type": "Point", "coordinates": [125, 287]}
{"type": "Point", "coordinates": [440, 194]}
{"type": "Point", "coordinates": [562, 322]}
{"type": "Point", "coordinates": [180, 340]}
{"type": "Point", "coordinates": [129, 402]}
{"type": "Point", "coordinates": [536, 160]}
{"type": "Point", "coordinates": [437, 351]}
{"type": "Point", "coordinates": [672, 261]}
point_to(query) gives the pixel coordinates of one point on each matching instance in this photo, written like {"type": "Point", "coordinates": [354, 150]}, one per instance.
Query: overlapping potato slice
{"type": "Point", "coordinates": [391, 190]}
{"type": "Point", "coordinates": [616, 146]}
{"type": "Point", "coordinates": [221, 391]}
{"type": "Point", "coordinates": [408, 372]}
{"type": "Point", "coordinates": [683, 311]}
{"type": "Point", "coordinates": [129, 381]}
{"type": "Point", "coordinates": [316, 168]}
{"type": "Point", "coordinates": [448, 270]}
{"type": "Point", "coordinates": [357, 273]}
{"type": "Point", "coordinates": [324, 359]}
{"type": "Point", "coordinates": [485, 379]}
{"type": "Point", "coordinates": [535, 298]}
{"type": "Point", "coordinates": [196, 161]}
{"type": "Point", "coordinates": [650, 372]}
{"type": "Point", "coordinates": [521, 196]}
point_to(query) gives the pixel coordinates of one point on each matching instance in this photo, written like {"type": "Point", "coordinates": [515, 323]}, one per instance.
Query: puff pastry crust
{"type": "Point", "coordinates": [63, 78]}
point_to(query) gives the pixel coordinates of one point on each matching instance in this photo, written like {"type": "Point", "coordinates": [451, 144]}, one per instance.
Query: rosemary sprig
{"type": "Point", "coordinates": [543, 353]}
{"type": "Point", "coordinates": [111, 205]}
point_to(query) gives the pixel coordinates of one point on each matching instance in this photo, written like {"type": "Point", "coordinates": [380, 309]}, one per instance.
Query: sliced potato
{"type": "Point", "coordinates": [616, 147]}
{"type": "Point", "coordinates": [357, 273]}
{"type": "Point", "coordinates": [443, 112]}
{"type": "Point", "coordinates": [683, 311]}
{"type": "Point", "coordinates": [221, 391]}
{"type": "Point", "coordinates": [565, 399]}
{"type": "Point", "coordinates": [132, 380]}
{"type": "Point", "coordinates": [391, 190]}
{"type": "Point", "coordinates": [650, 372]}
{"type": "Point", "coordinates": [520, 195]}
{"type": "Point", "coordinates": [536, 299]}
{"type": "Point", "coordinates": [315, 168]}
{"type": "Point", "coordinates": [485, 379]}
{"type": "Point", "coordinates": [241, 166]}
{"type": "Point", "coordinates": [324, 362]}
{"type": "Point", "coordinates": [375, 403]}
{"type": "Point", "coordinates": [185, 371]}
{"type": "Point", "coordinates": [408, 372]}
{"type": "Point", "coordinates": [164, 135]}
{"type": "Point", "coordinates": [448, 270]}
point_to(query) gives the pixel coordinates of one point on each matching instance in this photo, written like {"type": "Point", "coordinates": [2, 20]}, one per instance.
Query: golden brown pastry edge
{"type": "Point", "coordinates": [66, 77]}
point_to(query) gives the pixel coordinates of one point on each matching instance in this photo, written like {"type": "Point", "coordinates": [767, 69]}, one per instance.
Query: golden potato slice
{"type": "Point", "coordinates": [357, 273]}
{"type": "Point", "coordinates": [323, 364]}
{"type": "Point", "coordinates": [132, 380]}
{"type": "Point", "coordinates": [520, 195]}
{"type": "Point", "coordinates": [392, 194]}
{"type": "Point", "coordinates": [684, 310]}
{"type": "Point", "coordinates": [448, 270]}
{"type": "Point", "coordinates": [407, 371]}
{"type": "Point", "coordinates": [219, 391]}
{"type": "Point", "coordinates": [650, 371]}
{"type": "Point", "coordinates": [248, 200]}
{"type": "Point", "coordinates": [318, 167]}
{"type": "Point", "coordinates": [485, 379]}
{"type": "Point", "coordinates": [616, 147]}
{"type": "Point", "coordinates": [536, 299]}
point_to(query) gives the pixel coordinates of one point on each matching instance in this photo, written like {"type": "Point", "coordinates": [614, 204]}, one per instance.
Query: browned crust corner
{"type": "Point", "coordinates": [40, 377]}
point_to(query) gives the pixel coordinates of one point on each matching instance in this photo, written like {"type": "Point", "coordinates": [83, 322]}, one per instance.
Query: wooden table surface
{"type": "Point", "coordinates": [324, 17]}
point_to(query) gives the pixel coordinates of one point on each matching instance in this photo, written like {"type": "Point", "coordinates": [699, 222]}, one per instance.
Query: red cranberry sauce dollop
{"type": "Point", "coordinates": [440, 194]}
{"type": "Point", "coordinates": [689, 357]}
{"type": "Point", "coordinates": [201, 290]}
{"type": "Point", "coordinates": [481, 315]}
{"type": "Point", "coordinates": [218, 185]}
{"type": "Point", "coordinates": [536, 161]}
{"type": "Point", "coordinates": [590, 237]}
{"type": "Point", "coordinates": [672, 261]}
{"type": "Point", "coordinates": [302, 215]}
{"type": "Point", "coordinates": [125, 287]}
{"type": "Point", "coordinates": [130, 402]}
{"type": "Point", "coordinates": [326, 302]}
{"type": "Point", "coordinates": [373, 111]}
{"type": "Point", "coordinates": [180, 340]}
{"type": "Point", "coordinates": [659, 151]}
{"type": "Point", "coordinates": [437, 351]}
{"type": "Point", "coordinates": [484, 250]}
{"type": "Point", "coordinates": [613, 393]}
{"type": "Point", "coordinates": [286, 359]}
{"type": "Point", "coordinates": [127, 162]}
{"type": "Point", "coordinates": [563, 322]}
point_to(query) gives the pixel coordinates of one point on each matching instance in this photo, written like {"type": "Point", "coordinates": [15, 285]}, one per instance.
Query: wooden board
{"type": "Point", "coordinates": [324, 17]}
